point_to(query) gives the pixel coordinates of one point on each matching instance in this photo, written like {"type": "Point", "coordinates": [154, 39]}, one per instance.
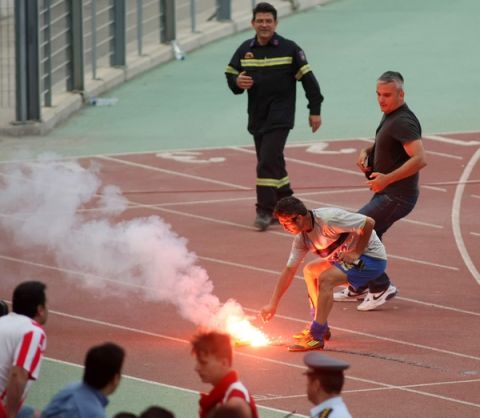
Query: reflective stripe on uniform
{"type": "Point", "coordinates": [273, 182]}
{"type": "Point", "coordinates": [231, 70]}
{"type": "Point", "coordinates": [266, 62]}
{"type": "Point", "coordinates": [302, 71]}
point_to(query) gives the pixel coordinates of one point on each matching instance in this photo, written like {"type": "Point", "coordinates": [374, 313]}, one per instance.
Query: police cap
{"type": "Point", "coordinates": [320, 362]}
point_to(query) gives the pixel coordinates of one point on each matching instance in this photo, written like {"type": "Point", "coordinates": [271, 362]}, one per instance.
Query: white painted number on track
{"type": "Point", "coordinates": [321, 149]}
{"type": "Point", "coordinates": [189, 157]}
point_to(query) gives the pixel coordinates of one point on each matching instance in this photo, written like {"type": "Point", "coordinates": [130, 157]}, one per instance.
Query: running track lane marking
{"type": "Point", "coordinates": [452, 141]}
{"type": "Point", "coordinates": [199, 178]}
{"type": "Point", "coordinates": [229, 263]}
{"type": "Point", "coordinates": [176, 173]}
{"type": "Point", "coordinates": [326, 167]}
{"type": "Point", "coordinates": [283, 234]}
{"type": "Point", "coordinates": [457, 202]}
{"type": "Point", "coordinates": [283, 363]}
{"type": "Point", "coordinates": [288, 318]}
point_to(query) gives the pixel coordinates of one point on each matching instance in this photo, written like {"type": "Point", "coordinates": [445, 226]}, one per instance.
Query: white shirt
{"type": "Point", "coordinates": [328, 224]}
{"type": "Point", "coordinates": [22, 343]}
{"type": "Point", "coordinates": [331, 408]}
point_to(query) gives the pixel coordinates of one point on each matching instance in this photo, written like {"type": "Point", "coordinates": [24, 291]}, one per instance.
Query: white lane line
{"type": "Point", "coordinates": [199, 178]}
{"type": "Point", "coordinates": [284, 234]}
{"type": "Point", "coordinates": [444, 155]}
{"type": "Point", "coordinates": [303, 162]}
{"type": "Point", "coordinates": [378, 337]}
{"type": "Point", "coordinates": [461, 142]}
{"type": "Point", "coordinates": [277, 273]}
{"type": "Point", "coordinates": [475, 234]}
{"type": "Point", "coordinates": [430, 225]}
{"type": "Point", "coordinates": [175, 173]}
{"type": "Point", "coordinates": [457, 202]}
{"type": "Point", "coordinates": [475, 196]}
{"type": "Point", "coordinates": [283, 363]}
{"type": "Point", "coordinates": [72, 272]}
{"type": "Point", "coordinates": [436, 189]}
{"type": "Point", "coordinates": [204, 258]}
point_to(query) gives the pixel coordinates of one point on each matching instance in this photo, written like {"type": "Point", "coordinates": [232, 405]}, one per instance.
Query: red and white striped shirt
{"type": "Point", "coordinates": [22, 343]}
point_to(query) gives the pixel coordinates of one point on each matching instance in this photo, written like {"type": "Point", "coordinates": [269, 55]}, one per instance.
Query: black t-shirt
{"type": "Point", "coordinates": [397, 128]}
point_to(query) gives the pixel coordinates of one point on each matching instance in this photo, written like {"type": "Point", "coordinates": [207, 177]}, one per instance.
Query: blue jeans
{"type": "Point", "coordinates": [386, 209]}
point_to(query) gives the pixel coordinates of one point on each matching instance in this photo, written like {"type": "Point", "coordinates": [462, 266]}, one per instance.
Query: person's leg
{"type": "Point", "coordinates": [357, 278]}
{"type": "Point", "coordinates": [386, 210]}
{"type": "Point", "coordinates": [328, 280]}
{"type": "Point", "coordinates": [326, 277]}
{"type": "Point", "coordinates": [311, 273]}
{"type": "Point", "coordinates": [271, 171]}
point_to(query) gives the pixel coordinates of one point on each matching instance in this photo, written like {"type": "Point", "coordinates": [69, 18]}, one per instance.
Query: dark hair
{"type": "Point", "coordinates": [392, 77]}
{"type": "Point", "coordinates": [213, 343]}
{"type": "Point", "coordinates": [124, 415]}
{"type": "Point", "coordinates": [264, 8]}
{"type": "Point", "coordinates": [3, 308]}
{"type": "Point", "coordinates": [27, 296]}
{"type": "Point", "coordinates": [289, 206]}
{"type": "Point", "coordinates": [156, 412]}
{"type": "Point", "coordinates": [102, 363]}
{"type": "Point", "coordinates": [330, 380]}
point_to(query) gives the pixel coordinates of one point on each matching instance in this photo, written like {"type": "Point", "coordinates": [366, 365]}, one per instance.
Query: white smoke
{"type": "Point", "coordinates": [62, 207]}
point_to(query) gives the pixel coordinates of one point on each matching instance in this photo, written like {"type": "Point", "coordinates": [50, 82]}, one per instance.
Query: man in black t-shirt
{"type": "Point", "coordinates": [392, 166]}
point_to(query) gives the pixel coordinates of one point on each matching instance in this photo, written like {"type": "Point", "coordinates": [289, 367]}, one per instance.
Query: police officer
{"type": "Point", "coordinates": [268, 67]}
{"type": "Point", "coordinates": [325, 383]}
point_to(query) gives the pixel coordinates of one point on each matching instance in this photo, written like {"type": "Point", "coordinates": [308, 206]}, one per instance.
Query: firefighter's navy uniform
{"type": "Point", "coordinates": [275, 69]}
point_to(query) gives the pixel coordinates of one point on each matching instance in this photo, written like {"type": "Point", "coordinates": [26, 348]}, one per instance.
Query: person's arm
{"type": "Point", "coordinates": [315, 99]}
{"type": "Point", "coordinates": [310, 85]}
{"type": "Point", "coordinates": [364, 235]}
{"type": "Point", "coordinates": [241, 405]}
{"type": "Point", "coordinates": [362, 160]}
{"type": "Point", "coordinates": [283, 283]}
{"type": "Point", "coordinates": [235, 74]}
{"type": "Point", "coordinates": [414, 164]}
{"type": "Point", "coordinates": [17, 381]}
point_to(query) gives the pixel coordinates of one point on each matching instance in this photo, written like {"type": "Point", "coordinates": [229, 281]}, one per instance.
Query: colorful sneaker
{"type": "Point", "coordinates": [348, 294]}
{"type": "Point", "coordinates": [374, 300]}
{"type": "Point", "coordinates": [306, 331]}
{"type": "Point", "coordinates": [307, 344]}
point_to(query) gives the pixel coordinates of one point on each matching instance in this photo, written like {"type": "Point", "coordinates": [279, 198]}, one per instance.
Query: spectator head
{"type": "Point", "coordinates": [264, 7]}
{"type": "Point", "coordinates": [29, 299]}
{"type": "Point", "coordinates": [3, 308]}
{"type": "Point", "coordinates": [103, 367]}
{"type": "Point", "coordinates": [214, 355]}
{"type": "Point", "coordinates": [124, 415]}
{"type": "Point", "coordinates": [156, 412]}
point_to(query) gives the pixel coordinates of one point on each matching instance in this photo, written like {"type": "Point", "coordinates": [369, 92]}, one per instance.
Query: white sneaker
{"type": "Point", "coordinates": [348, 294]}
{"type": "Point", "coordinates": [374, 300]}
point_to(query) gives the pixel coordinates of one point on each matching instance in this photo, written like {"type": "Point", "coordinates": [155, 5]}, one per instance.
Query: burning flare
{"type": "Point", "coordinates": [232, 320]}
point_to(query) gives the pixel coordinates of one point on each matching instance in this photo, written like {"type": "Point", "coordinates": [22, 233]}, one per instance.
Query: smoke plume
{"type": "Point", "coordinates": [63, 208]}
